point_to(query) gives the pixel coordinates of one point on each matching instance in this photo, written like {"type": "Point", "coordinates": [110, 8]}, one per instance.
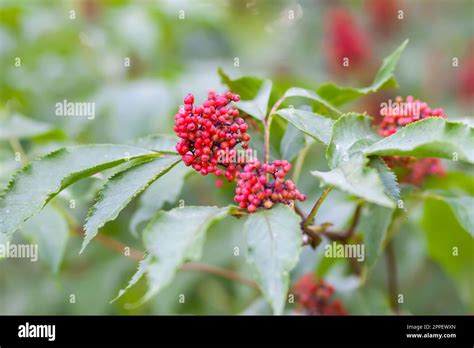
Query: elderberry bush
{"type": "Point", "coordinates": [155, 174]}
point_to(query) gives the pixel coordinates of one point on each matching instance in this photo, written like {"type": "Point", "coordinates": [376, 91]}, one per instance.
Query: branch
{"type": "Point", "coordinates": [138, 255]}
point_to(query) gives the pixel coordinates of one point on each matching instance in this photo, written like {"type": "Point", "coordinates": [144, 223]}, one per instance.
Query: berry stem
{"type": "Point", "coordinates": [316, 206]}
{"type": "Point", "coordinates": [299, 164]}
{"type": "Point", "coordinates": [266, 142]}
{"type": "Point", "coordinates": [392, 278]}
{"type": "Point", "coordinates": [138, 255]}
{"type": "Point", "coordinates": [267, 122]}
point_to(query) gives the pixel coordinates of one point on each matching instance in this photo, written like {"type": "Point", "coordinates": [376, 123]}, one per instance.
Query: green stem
{"type": "Point", "coordinates": [267, 122]}
{"type": "Point", "coordinates": [266, 145]}
{"type": "Point", "coordinates": [316, 206]}
{"type": "Point", "coordinates": [299, 164]}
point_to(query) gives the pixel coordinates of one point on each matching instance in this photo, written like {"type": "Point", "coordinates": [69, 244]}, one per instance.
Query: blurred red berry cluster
{"type": "Point", "coordinates": [345, 40]}
{"type": "Point", "coordinates": [384, 15]}
{"type": "Point", "coordinates": [315, 297]}
{"type": "Point", "coordinates": [397, 115]}
{"type": "Point", "coordinates": [209, 136]}
{"type": "Point", "coordinates": [255, 190]}
{"type": "Point", "coordinates": [209, 132]}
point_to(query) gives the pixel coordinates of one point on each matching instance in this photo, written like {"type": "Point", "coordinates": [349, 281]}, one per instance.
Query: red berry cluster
{"type": "Point", "coordinates": [210, 133]}
{"type": "Point", "coordinates": [254, 189]}
{"type": "Point", "coordinates": [400, 114]}
{"type": "Point", "coordinates": [316, 297]}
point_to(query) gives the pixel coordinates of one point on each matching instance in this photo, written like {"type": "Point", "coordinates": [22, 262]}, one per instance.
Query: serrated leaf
{"type": "Point", "coordinates": [315, 125]}
{"type": "Point", "coordinates": [389, 179]}
{"type": "Point", "coordinates": [258, 106]}
{"type": "Point", "coordinates": [247, 86]}
{"type": "Point", "coordinates": [49, 230]}
{"type": "Point", "coordinates": [383, 79]}
{"type": "Point", "coordinates": [450, 246]}
{"type": "Point", "coordinates": [119, 191]}
{"type": "Point", "coordinates": [374, 224]}
{"type": "Point", "coordinates": [37, 183]}
{"type": "Point", "coordinates": [141, 270]}
{"type": "Point", "coordinates": [165, 190]}
{"type": "Point", "coordinates": [355, 178]}
{"type": "Point", "coordinates": [173, 238]}
{"type": "Point", "coordinates": [163, 143]}
{"type": "Point", "coordinates": [350, 133]}
{"type": "Point", "coordinates": [323, 106]}
{"type": "Point", "coordinates": [292, 143]}
{"type": "Point", "coordinates": [431, 137]}
{"type": "Point", "coordinates": [274, 245]}
{"type": "Point", "coordinates": [20, 127]}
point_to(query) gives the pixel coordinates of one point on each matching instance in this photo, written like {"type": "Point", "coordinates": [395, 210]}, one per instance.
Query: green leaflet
{"type": "Point", "coordinates": [355, 178]}
{"type": "Point", "coordinates": [315, 125]}
{"type": "Point", "coordinates": [257, 107]}
{"type": "Point", "coordinates": [120, 190]}
{"type": "Point", "coordinates": [450, 246]}
{"type": "Point", "coordinates": [350, 133]}
{"type": "Point", "coordinates": [431, 137]}
{"type": "Point", "coordinates": [322, 106]}
{"type": "Point", "coordinates": [37, 183]}
{"type": "Point", "coordinates": [173, 238]}
{"type": "Point", "coordinates": [374, 223]}
{"type": "Point", "coordinates": [274, 245]}
{"type": "Point", "coordinates": [50, 231]}
{"type": "Point", "coordinates": [163, 143]}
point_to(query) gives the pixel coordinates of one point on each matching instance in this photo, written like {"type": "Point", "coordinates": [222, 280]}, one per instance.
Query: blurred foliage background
{"type": "Point", "coordinates": [77, 50]}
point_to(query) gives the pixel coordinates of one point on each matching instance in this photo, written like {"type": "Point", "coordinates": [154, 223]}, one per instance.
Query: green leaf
{"type": "Point", "coordinates": [49, 230]}
{"type": "Point", "coordinates": [258, 106]}
{"type": "Point", "coordinates": [431, 137]}
{"type": "Point", "coordinates": [374, 224]}
{"type": "Point", "coordinates": [119, 191]}
{"type": "Point", "coordinates": [323, 106]}
{"type": "Point", "coordinates": [461, 206]}
{"type": "Point", "coordinates": [383, 79]}
{"type": "Point", "coordinates": [463, 209]}
{"type": "Point", "coordinates": [142, 268]}
{"type": "Point", "coordinates": [388, 177]}
{"type": "Point", "coordinates": [315, 125]}
{"type": "Point", "coordinates": [37, 183]}
{"type": "Point", "coordinates": [274, 244]}
{"type": "Point", "coordinates": [20, 127]}
{"type": "Point", "coordinates": [173, 238]}
{"type": "Point", "coordinates": [165, 190]}
{"type": "Point", "coordinates": [450, 246]}
{"type": "Point", "coordinates": [247, 86]}
{"type": "Point", "coordinates": [350, 133]}
{"type": "Point", "coordinates": [292, 143]}
{"type": "Point", "coordinates": [454, 182]}
{"type": "Point", "coordinates": [163, 143]}
{"type": "Point", "coordinates": [355, 178]}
